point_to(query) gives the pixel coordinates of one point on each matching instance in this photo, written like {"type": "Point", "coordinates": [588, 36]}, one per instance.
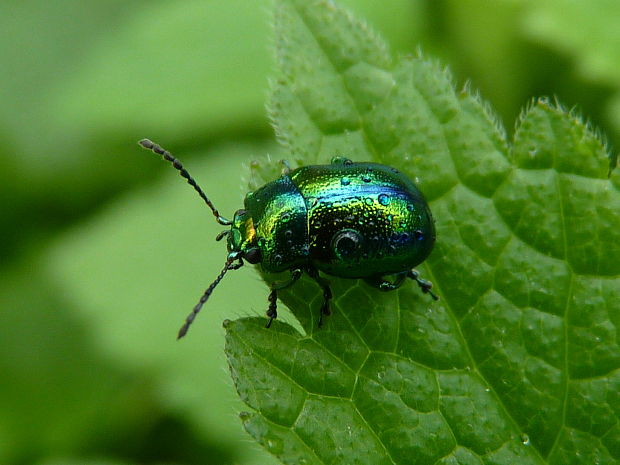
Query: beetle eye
{"type": "Point", "coordinates": [253, 256]}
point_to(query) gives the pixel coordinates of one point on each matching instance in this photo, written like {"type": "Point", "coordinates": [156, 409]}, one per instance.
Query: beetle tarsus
{"type": "Point", "coordinates": [325, 311]}
{"type": "Point", "coordinates": [327, 293]}
{"type": "Point", "coordinates": [424, 285]}
{"type": "Point", "coordinates": [272, 311]}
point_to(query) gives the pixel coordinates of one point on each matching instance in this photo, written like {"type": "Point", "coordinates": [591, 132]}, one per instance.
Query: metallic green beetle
{"type": "Point", "coordinates": [346, 219]}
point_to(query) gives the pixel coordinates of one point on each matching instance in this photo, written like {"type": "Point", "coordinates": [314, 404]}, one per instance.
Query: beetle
{"type": "Point", "coordinates": [351, 220]}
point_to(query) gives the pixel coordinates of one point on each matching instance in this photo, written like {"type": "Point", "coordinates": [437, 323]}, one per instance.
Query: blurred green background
{"type": "Point", "coordinates": [104, 250]}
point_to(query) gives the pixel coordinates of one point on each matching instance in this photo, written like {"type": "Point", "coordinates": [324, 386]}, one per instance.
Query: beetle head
{"type": "Point", "coordinates": [242, 238]}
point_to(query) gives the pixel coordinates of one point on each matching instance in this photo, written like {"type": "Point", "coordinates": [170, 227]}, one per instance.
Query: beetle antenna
{"type": "Point", "coordinates": [190, 318]}
{"type": "Point", "coordinates": [150, 145]}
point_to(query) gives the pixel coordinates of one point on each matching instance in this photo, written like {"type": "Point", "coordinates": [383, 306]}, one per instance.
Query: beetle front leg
{"type": "Point", "coordinates": [327, 293]}
{"type": "Point", "coordinates": [272, 310]}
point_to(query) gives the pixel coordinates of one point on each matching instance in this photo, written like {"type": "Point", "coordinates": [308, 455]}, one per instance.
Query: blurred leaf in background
{"type": "Point", "coordinates": [155, 253]}
{"type": "Point", "coordinates": [587, 33]}
{"type": "Point", "coordinates": [101, 260]}
{"type": "Point", "coordinates": [513, 50]}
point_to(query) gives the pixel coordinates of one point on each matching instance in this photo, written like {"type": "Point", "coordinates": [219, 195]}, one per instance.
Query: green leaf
{"type": "Point", "coordinates": [518, 362]}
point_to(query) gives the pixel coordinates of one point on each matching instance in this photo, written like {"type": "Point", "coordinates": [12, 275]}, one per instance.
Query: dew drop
{"type": "Point", "coordinates": [525, 439]}
{"type": "Point", "coordinates": [419, 235]}
{"type": "Point", "coordinates": [368, 201]}
{"type": "Point", "coordinates": [366, 178]}
{"type": "Point", "coordinates": [384, 199]}
{"type": "Point", "coordinates": [410, 207]}
{"type": "Point", "coordinates": [345, 181]}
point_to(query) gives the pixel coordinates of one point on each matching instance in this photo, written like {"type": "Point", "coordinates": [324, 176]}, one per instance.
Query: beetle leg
{"type": "Point", "coordinates": [222, 235]}
{"type": "Point", "coordinates": [278, 285]}
{"type": "Point", "coordinates": [237, 265]}
{"type": "Point", "coordinates": [425, 285]}
{"type": "Point", "coordinates": [383, 284]}
{"type": "Point", "coordinates": [327, 293]}
{"type": "Point", "coordinates": [272, 310]}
